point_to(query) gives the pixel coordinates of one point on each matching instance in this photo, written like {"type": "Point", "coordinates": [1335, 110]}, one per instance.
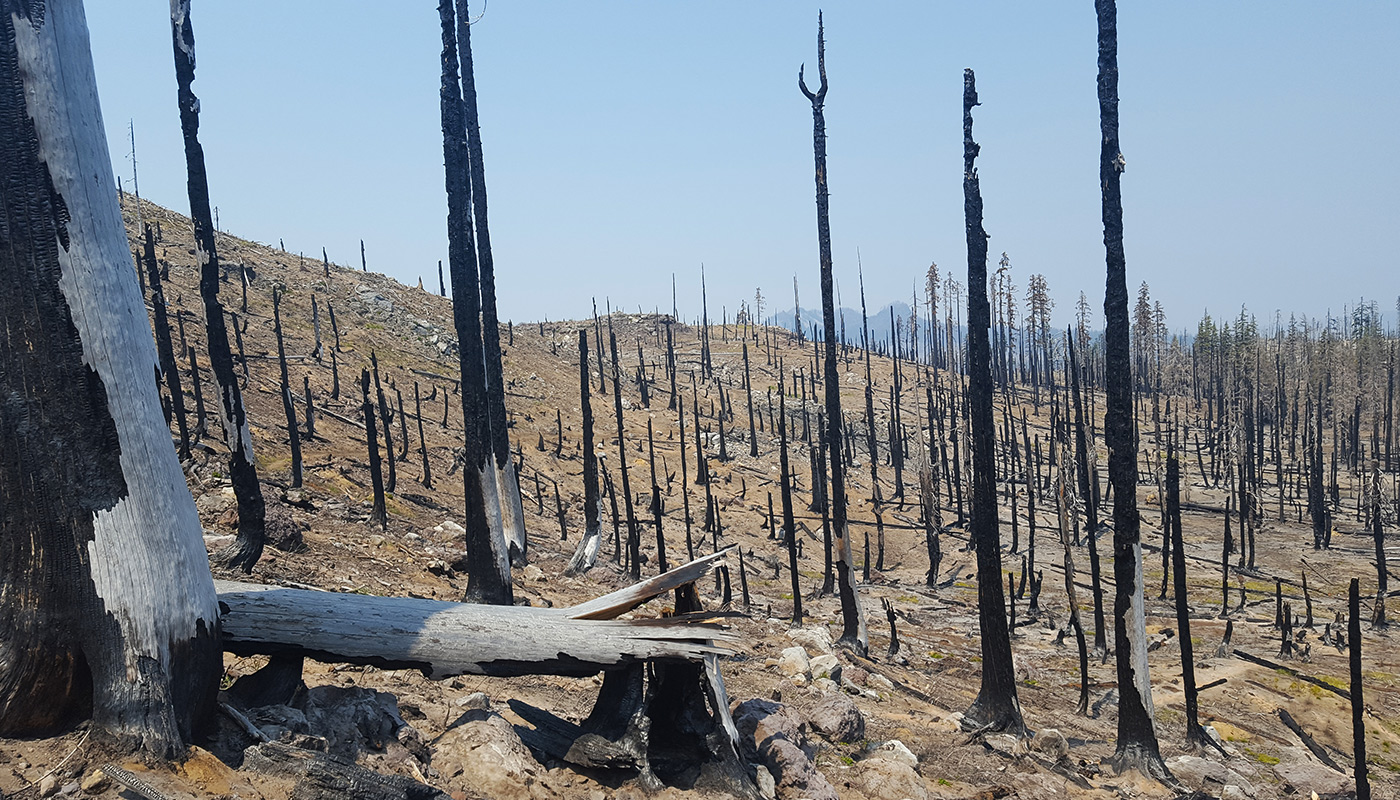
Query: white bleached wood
{"type": "Point", "coordinates": [445, 639]}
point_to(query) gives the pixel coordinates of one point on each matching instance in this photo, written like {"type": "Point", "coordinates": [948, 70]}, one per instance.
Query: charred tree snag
{"type": "Point", "coordinates": [1195, 734]}
{"type": "Point", "coordinates": [310, 408]}
{"type": "Point", "coordinates": [288, 407]}
{"type": "Point", "coordinates": [247, 548]}
{"type": "Point", "coordinates": [996, 707]}
{"type": "Point", "coordinates": [379, 513]}
{"type": "Point", "coordinates": [1137, 741]}
{"type": "Point", "coordinates": [748, 393]}
{"type": "Point", "coordinates": [1378, 532]}
{"type": "Point", "coordinates": [201, 420]}
{"type": "Point", "coordinates": [633, 535]}
{"type": "Point", "coordinates": [385, 417]}
{"type": "Point", "coordinates": [512, 512]}
{"type": "Point", "coordinates": [488, 565]}
{"type": "Point", "coordinates": [107, 607]}
{"type": "Point", "coordinates": [164, 348]}
{"type": "Point", "coordinates": [1358, 704]}
{"type": "Point", "coordinates": [587, 553]}
{"type": "Point", "coordinates": [422, 440]}
{"type": "Point", "coordinates": [1089, 497]}
{"type": "Point", "coordinates": [853, 633]}
{"type": "Point", "coordinates": [789, 527]}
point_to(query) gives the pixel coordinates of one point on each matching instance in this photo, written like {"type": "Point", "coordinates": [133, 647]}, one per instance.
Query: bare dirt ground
{"type": "Point", "coordinates": [915, 698]}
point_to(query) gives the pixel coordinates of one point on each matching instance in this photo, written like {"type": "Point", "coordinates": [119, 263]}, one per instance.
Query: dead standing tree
{"type": "Point", "coordinates": [108, 606]}
{"type": "Point", "coordinates": [853, 633]}
{"type": "Point", "coordinates": [243, 474]}
{"type": "Point", "coordinates": [164, 347]}
{"type": "Point", "coordinates": [996, 706]}
{"type": "Point", "coordinates": [512, 513]}
{"type": "Point", "coordinates": [1137, 740]}
{"type": "Point", "coordinates": [488, 566]}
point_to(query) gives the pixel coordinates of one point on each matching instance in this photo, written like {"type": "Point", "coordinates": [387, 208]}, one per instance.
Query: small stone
{"type": "Point", "coordinates": [48, 785]}
{"type": "Point", "coordinates": [879, 682]}
{"type": "Point", "coordinates": [476, 701]}
{"type": "Point", "coordinates": [767, 787]}
{"type": "Point", "coordinates": [1051, 743]}
{"type": "Point", "coordinates": [412, 537]}
{"type": "Point", "coordinates": [825, 666]}
{"type": "Point", "coordinates": [532, 573]}
{"type": "Point", "coordinates": [793, 661]}
{"type": "Point", "coordinates": [95, 781]}
{"type": "Point", "coordinates": [814, 640]}
{"type": "Point", "coordinates": [895, 750]}
{"type": "Point", "coordinates": [376, 540]}
{"type": "Point", "coordinates": [451, 527]}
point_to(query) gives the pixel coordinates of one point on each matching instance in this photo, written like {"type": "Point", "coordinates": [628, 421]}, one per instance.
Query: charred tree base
{"type": "Point", "coordinates": [985, 717]}
{"type": "Point", "coordinates": [666, 721]}
{"type": "Point", "coordinates": [1144, 759]}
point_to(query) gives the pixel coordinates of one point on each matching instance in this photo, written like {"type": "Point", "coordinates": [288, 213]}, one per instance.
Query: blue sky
{"type": "Point", "coordinates": [626, 141]}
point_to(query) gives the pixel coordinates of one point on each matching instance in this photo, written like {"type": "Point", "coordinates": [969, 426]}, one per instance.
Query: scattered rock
{"type": "Point", "coordinates": [1299, 769]}
{"type": "Point", "coordinates": [825, 666]}
{"type": "Point", "coordinates": [837, 718]}
{"type": "Point", "coordinates": [48, 785]}
{"type": "Point", "coordinates": [476, 701]}
{"type": "Point", "coordinates": [889, 779]}
{"type": "Point", "coordinates": [879, 682]}
{"type": "Point", "coordinates": [532, 573]}
{"type": "Point", "coordinates": [448, 526]}
{"type": "Point", "coordinates": [1207, 776]}
{"type": "Point", "coordinates": [95, 781]}
{"type": "Point", "coordinates": [485, 756]}
{"type": "Point", "coordinates": [793, 661]}
{"type": "Point", "coordinates": [894, 750]}
{"type": "Point", "coordinates": [813, 640]}
{"type": "Point", "coordinates": [774, 735]}
{"type": "Point", "coordinates": [1050, 743]}
{"type": "Point", "coordinates": [767, 786]}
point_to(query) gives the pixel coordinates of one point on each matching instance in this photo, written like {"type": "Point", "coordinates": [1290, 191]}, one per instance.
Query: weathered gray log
{"type": "Point", "coordinates": [444, 639]}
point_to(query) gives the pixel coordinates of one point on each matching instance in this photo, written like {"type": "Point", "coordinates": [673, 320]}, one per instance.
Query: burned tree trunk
{"type": "Point", "coordinates": [422, 440]}
{"type": "Point", "coordinates": [488, 565]}
{"type": "Point", "coordinates": [587, 553]}
{"type": "Point", "coordinates": [247, 548]}
{"type": "Point", "coordinates": [789, 527]}
{"type": "Point", "coordinates": [288, 407]}
{"type": "Point", "coordinates": [853, 633]}
{"type": "Point", "coordinates": [1137, 740]}
{"type": "Point", "coordinates": [748, 393]}
{"type": "Point", "coordinates": [1358, 703]}
{"type": "Point", "coordinates": [108, 607]}
{"type": "Point", "coordinates": [1195, 734]}
{"type": "Point", "coordinates": [1089, 497]}
{"type": "Point", "coordinates": [996, 706]}
{"type": "Point", "coordinates": [386, 417]}
{"type": "Point", "coordinates": [164, 347]}
{"type": "Point", "coordinates": [379, 513]}
{"type": "Point", "coordinates": [512, 512]}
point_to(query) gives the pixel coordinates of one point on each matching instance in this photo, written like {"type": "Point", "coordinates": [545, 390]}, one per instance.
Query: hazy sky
{"type": "Point", "coordinates": [626, 141]}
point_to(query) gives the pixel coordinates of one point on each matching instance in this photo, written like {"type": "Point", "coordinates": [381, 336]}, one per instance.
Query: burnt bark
{"type": "Point", "coordinates": [853, 633]}
{"type": "Point", "coordinates": [997, 706]}
{"type": "Point", "coordinates": [288, 407]}
{"type": "Point", "coordinates": [789, 527]}
{"type": "Point", "coordinates": [488, 568]}
{"type": "Point", "coordinates": [107, 607]}
{"type": "Point", "coordinates": [1358, 703]}
{"type": "Point", "coordinates": [248, 546]}
{"type": "Point", "coordinates": [166, 351]}
{"type": "Point", "coordinates": [379, 512]}
{"type": "Point", "coordinates": [1137, 740]}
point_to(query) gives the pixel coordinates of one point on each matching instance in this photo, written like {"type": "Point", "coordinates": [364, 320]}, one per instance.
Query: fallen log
{"type": "Point", "coordinates": [1308, 741]}
{"type": "Point", "coordinates": [1264, 662]}
{"type": "Point", "coordinates": [443, 639]}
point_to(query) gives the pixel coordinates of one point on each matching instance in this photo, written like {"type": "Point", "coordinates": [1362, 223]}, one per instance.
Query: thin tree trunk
{"type": "Point", "coordinates": [996, 706]}
{"type": "Point", "coordinates": [853, 633]}
{"type": "Point", "coordinates": [378, 512]}
{"type": "Point", "coordinates": [164, 348]}
{"type": "Point", "coordinates": [488, 565]}
{"type": "Point", "coordinates": [1137, 740]}
{"type": "Point", "coordinates": [586, 555]}
{"type": "Point", "coordinates": [288, 407]}
{"type": "Point", "coordinates": [789, 527]}
{"type": "Point", "coordinates": [248, 546]}
{"type": "Point", "coordinates": [422, 440]}
{"type": "Point", "coordinates": [511, 511]}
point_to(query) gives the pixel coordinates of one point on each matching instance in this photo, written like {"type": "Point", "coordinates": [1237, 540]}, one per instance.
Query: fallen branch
{"type": "Point", "coordinates": [1264, 662]}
